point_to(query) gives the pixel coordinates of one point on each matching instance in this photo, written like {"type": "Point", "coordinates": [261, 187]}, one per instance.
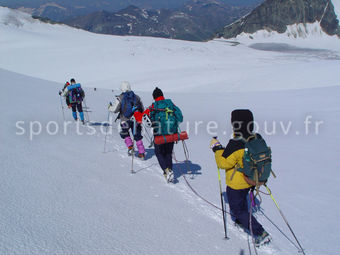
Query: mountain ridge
{"type": "Point", "coordinates": [197, 20]}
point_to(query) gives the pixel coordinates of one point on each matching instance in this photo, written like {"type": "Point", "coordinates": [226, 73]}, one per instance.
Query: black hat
{"type": "Point", "coordinates": [242, 121]}
{"type": "Point", "coordinates": [157, 93]}
{"type": "Point", "coordinates": [73, 80]}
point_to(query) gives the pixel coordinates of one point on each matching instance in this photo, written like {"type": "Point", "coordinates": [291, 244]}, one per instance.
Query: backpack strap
{"type": "Point", "coordinates": [273, 174]}
{"type": "Point", "coordinates": [237, 166]}
{"type": "Point", "coordinates": [253, 136]}
{"type": "Point", "coordinates": [167, 112]}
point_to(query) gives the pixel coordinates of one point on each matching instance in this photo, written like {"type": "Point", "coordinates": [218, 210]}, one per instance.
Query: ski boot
{"type": "Point", "coordinates": [262, 239]}
{"type": "Point", "coordinates": [238, 225]}
{"type": "Point", "coordinates": [165, 174]}
{"type": "Point", "coordinates": [169, 175]}
{"type": "Point", "coordinates": [141, 156]}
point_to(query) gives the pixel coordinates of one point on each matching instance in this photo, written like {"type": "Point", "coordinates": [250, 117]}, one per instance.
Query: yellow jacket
{"type": "Point", "coordinates": [228, 159]}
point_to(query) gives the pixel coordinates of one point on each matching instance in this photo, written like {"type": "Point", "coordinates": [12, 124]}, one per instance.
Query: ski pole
{"type": "Point", "coordinates": [223, 211]}
{"type": "Point", "coordinates": [284, 218]}
{"type": "Point", "coordinates": [107, 127]}
{"type": "Point", "coordinates": [222, 206]}
{"type": "Point", "coordinates": [133, 144]}
{"type": "Point", "coordinates": [87, 113]}
{"type": "Point", "coordinates": [149, 136]}
{"type": "Point", "coordinates": [62, 106]}
{"type": "Point", "coordinates": [221, 195]}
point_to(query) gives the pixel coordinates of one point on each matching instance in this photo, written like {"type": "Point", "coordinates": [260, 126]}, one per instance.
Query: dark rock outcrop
{"type": "Point", "coordinates": [275, 15]}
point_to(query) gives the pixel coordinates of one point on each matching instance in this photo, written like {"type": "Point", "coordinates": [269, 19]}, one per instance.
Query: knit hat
{"type": "Point", "coordinates": [157, 93]}
{"type": "Point", "coordinates": [125, 86]}
{"type": "Point", "coordinates": [73, 80]}
{"type": "Point", "coordinates": [242, 121]}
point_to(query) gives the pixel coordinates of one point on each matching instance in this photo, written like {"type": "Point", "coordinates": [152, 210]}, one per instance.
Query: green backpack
{"type": "Point", "coordinates": [257, 160]}
{"type": "Point", "coordinates": [165, 117]}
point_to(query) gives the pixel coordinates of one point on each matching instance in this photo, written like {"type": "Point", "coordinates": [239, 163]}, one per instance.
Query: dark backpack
{"type": "Point", "coordinates": [76, 95]}
{"type": "Point", "coordinates": [129, 101]}
{"type": "Point", "coordinates": [257, 161]}
{"type": "Point", "coordinates": [165, 117]}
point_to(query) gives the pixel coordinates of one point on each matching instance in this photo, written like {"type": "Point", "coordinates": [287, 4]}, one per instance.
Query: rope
{"type": "Point", "coordinates": [201, 197]}
{"type": "Point", "coordinates": [141, 169]}
{"type": "Point", "coordinates": [278, 228]}
{"type": "Point", "coordinates": [186, 154]}
{"type": "Point", "coordinates": [285, 220]}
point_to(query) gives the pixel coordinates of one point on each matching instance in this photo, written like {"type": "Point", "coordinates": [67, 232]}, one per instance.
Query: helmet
{"type": "Point", "coordinates": [125, 86]}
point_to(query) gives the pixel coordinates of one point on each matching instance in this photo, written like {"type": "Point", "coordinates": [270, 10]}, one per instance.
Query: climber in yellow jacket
{"type": "Point", "coordinates": [238, 186]}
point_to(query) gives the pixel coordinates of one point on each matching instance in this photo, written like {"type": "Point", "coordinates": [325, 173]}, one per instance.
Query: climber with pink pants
{"type": "Point", "coordinates": [126, 104]}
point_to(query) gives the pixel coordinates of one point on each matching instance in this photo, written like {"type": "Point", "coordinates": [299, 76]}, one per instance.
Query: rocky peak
{"type": "Point", "coordinates": [276, 15]}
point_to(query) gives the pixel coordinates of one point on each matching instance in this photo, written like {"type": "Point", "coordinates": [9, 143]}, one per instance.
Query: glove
{"type": "Point", "coordinates": [110, 104]}
{"type": "Point", "coordinates": [69, 106]}
{"type": "Point", "coordinates": [215, 145]}
{"type": "Point", "coordinates": [59, 93]}
{"type": "Point", "coordinates": [111, 109]}
{"type": "Point", "coordinates": [64, 92]}
{"type": "Point", "coordinates": [134, 108]}
{"type": "Point", "coordinates": [138, 116]}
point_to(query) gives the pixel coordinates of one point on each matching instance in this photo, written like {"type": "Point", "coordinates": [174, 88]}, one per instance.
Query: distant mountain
{"type": "Point", "coordinates": [276, 15]}
{"type": "Point", "coordinates": [196, 20]}
{"type": "Point", "coordinates": [242, 2]}
{"type": "Point", "coordinates": [60, 10]}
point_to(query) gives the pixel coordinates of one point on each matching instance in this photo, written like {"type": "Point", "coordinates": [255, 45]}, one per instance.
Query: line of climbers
{"type": "Point", "coordinates": [163, 116]}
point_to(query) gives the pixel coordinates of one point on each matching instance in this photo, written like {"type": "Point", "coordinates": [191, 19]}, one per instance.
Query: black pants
{"type": "Point", "coordinates": [164, 155]}
{"type": "Point", "coordinates": [238, 205]}
{"type": "Point", "coordinates": [77, 106]}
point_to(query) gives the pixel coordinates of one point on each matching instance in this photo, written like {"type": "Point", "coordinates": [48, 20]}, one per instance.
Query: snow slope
{"type": "Point", "coordinates": [57, 53]}
{"type": "Point", "coordinates": [60, 194]}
